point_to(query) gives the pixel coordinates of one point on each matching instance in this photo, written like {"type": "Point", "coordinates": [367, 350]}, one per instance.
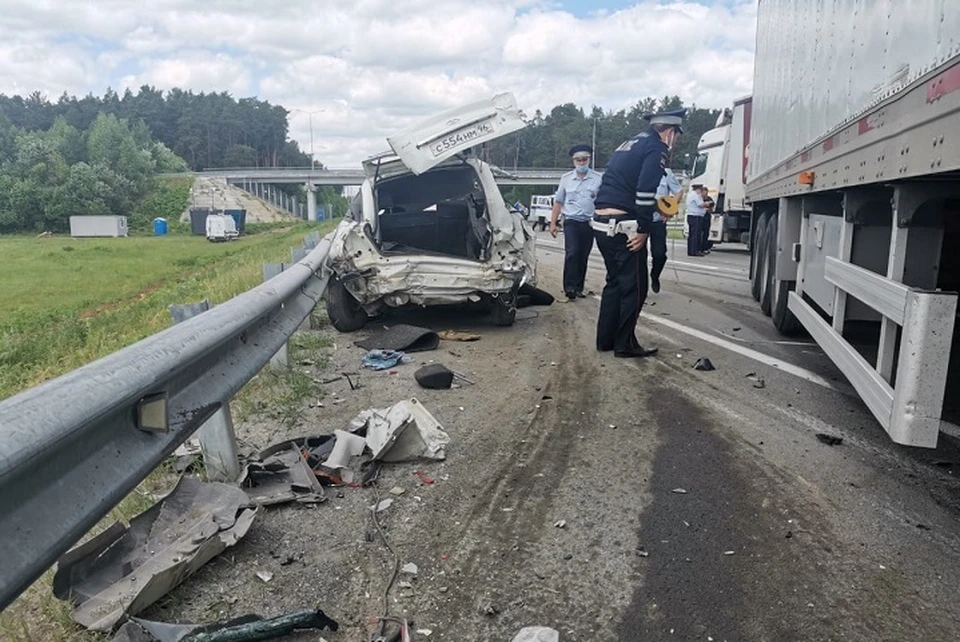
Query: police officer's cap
{"type": "Point", "coordinates": [577, 149]}
{"type": "Point", "coordinates": [673, 117]}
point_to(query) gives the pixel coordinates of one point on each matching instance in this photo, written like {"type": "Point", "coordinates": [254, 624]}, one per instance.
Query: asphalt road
{"type": "Point", "coordinates": [615, 499]}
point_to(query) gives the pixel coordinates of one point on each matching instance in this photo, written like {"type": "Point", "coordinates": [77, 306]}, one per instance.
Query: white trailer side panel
{"type": "Point", "coordinates": [98, 226]}
{"type": "Point", "coordinates": [821, 63]}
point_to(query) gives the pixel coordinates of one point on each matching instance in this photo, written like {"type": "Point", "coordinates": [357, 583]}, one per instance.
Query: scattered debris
{"type": "Point", "coordinates": [679, 491]}
{"type": "Point", "coordinates": [396, 491]}
{"type": "Point", "coordinates": [346, 446]}
{"type": "Point", "coordinates": [424, 479]}
{"type": "Point", "coordinates": [642, 553]}
{"type": "Point", "coordinates": [402, 432]}
{"type": "Point", "coordinates": [830, 440]}
{"type": "Point", "coordinates": [488, 608]}
{"type": "Point", "coordinates": [454, 335]}
{"type": "Point", "coordinates": [125, 569]}
{"type": "Point", "coordinates": [729, 552]}
{"type": "Point", "coordinates": [282, 472]}
{"type": "Point", "coordinates": [736, 329]}
{"type": "Point", "coordinates": [409, 568]}
{"type": "Point", "coordinates": [401, 337]}
{"type": "Point", "coordinates": [703, 364]}
{"type": "Point", "coordinates": [535, 295]}
{"type": "Point", "coordinates": [383, 359]}
{"type": "Point", "coordinates": [758, 381]}
{"type": "Point", "coordinates": [463, 377]}
{"type": "Point", "coordinates": [537, 634]}
{"type": "Point", "coordinates": [435, 376]}
{"type": "Point", "coordinates": [331, 379]}
{"type": "Point", "coordinates": [353, 386]}
{"type": "Point", "coordinates": [382, 506]}
{"type": "Point", "coordinates": [266, 576]}
{"type": "Point", "coordinates": [241, 629]}
{"type": "Point", "coordinates": [561, 523]}
{"type": "Point", "coordinates": [425, 632]}
{"type": "Point", "coordinates": [568, 556]}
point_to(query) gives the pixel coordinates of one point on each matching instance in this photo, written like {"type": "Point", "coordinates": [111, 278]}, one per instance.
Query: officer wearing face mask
{"type": "Point", "coordinates": [574, 198]}
{"type": "Point", "coordinates": [623, 213]}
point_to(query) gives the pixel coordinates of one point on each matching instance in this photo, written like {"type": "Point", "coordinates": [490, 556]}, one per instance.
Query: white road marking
{"type": "Point", "coordinates": [760, 357]}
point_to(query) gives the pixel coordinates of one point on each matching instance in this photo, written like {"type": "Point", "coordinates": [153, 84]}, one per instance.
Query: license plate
{"type": "Point", "coordinates": [462, 138]}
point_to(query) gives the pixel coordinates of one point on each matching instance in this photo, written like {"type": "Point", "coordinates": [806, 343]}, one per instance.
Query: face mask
{"type": "Point", "coordinates": [582, 169]}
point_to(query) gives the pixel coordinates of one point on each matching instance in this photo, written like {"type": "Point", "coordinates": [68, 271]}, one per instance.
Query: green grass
{"type": "Point", "coordinates": [67, 301]}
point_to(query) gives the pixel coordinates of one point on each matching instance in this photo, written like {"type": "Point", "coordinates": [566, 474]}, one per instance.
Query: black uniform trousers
{"type": "Point", "coordinates": [694, 235]}
{"type": "Point", "coordinates": [705, 230]}
{"type": "Point", "coordinates": [623, 294]}
{"type": "Point", "coordinates": [577, 245]}
{"type": "Point", "coordinates": [658, 247]}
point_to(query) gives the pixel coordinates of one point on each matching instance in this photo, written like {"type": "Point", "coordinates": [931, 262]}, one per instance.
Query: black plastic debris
{"type": "Point", "coordinates": [830, 440]}
{"type": "Point", "coordinates": [401, 337]}
{"type": "Point", "coordinates": [703, 364]}
{"type": "Point", "coordinates": [435, 376]}
{"type": "Point", "coordinates": [242, 629]}
{"type": "Point", "coordinates": [529, 295]}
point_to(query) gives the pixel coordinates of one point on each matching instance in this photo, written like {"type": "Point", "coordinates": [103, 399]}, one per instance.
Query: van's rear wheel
{"type": "Point", "coordinates": [345, 312]}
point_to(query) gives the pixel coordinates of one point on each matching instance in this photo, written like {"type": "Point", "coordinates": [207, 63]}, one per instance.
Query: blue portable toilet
{"type": "Point", "coordinates": [159, 226]}
{"type": "Point", "coordinates": [321, 212]}
{"type": "Point", "coordinates": [239, 217]}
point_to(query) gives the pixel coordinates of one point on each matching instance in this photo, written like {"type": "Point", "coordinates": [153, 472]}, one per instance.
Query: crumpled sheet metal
{"type": "Point", "coordinates": [402, 432]}
{"type": "Point", "coordinates": [123, 570]}
{"type": "Point", "coordinates": [282, 475]}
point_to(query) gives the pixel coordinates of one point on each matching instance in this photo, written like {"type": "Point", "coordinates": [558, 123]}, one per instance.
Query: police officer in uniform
{"type": "Point", "coordinates": [623, 213]}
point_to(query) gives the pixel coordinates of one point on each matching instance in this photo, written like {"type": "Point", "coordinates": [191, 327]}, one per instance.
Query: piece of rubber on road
{"type": "Point", "coordinates": [535, 296]}
{"type": "Point", "coordinates": [406, 338]}
{"type": "Point", "coordinates": [434, 376]}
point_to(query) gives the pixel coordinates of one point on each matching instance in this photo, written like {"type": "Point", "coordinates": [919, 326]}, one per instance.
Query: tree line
{"type": "Point", "coordinates": [548, 137]}
{"type": "Point", "coordinates": [48, 175]}
{"type": "Point", "coordinates": [206, 129]}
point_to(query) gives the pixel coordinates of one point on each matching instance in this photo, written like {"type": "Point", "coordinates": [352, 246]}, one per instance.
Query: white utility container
{"type": "Point", "coordinates": [98, 226]}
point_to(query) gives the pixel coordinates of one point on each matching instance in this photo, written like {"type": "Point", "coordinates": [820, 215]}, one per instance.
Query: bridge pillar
{"type": "Point", "coordinates": [311, 202]}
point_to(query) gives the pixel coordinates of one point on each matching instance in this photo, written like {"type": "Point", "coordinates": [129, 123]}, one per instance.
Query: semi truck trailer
{"type": "Point", "coordinates": [853, 181]}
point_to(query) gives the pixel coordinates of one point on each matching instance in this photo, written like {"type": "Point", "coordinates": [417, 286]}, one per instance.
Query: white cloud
{"type": "Point", "coordinates": [374, 66]}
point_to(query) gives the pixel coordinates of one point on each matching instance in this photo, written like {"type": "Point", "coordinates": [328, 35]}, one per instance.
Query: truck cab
{"type": "Point", "coordinates": [720, 166]}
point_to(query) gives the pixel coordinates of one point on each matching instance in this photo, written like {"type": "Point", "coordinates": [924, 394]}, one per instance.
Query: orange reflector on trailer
{"type": "Point", "coordinates": [805, 178]}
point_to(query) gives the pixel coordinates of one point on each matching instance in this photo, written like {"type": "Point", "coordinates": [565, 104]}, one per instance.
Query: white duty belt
{"type": "Point", "coordinates": [614, 227]}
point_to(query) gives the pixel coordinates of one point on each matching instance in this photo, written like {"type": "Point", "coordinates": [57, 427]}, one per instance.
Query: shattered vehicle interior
{"type": "Point", "coordinates": [442, 211]}
{"type": "Point", "coordinates": [430, 227]}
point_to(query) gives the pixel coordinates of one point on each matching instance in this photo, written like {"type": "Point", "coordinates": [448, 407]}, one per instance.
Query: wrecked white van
{"type": "Point", "coordinates": [429, 225]}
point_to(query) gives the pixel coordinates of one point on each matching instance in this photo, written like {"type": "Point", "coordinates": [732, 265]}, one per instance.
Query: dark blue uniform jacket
{"type": "Point", "coordinates": [631, 178]}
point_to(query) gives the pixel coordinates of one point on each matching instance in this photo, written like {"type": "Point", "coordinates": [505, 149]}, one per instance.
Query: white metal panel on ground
{"type": "Point", "coordinates": [821, 64]}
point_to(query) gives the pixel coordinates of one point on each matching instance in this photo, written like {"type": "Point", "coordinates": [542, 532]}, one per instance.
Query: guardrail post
{"type": "Point", "coordinates": [217, 438]}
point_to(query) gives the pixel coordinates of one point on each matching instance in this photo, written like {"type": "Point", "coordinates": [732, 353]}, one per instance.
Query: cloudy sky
{"type": "Point", "coordinates": [366, 68]}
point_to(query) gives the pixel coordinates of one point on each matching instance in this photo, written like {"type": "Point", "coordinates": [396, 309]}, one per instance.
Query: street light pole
{"type": "Point", "coordinates": [310, 116]}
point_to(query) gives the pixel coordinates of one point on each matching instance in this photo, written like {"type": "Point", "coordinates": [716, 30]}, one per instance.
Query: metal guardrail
{"type": "Point", "coordinates": [73, 447]}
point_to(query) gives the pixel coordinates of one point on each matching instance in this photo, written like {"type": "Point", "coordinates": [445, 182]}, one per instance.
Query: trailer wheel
{"type": "Point", "coordinates": [345, 312]}
{"type": "Point", "coordinates": [758, 255]}
{"type": "Point", "coordinates": [768, 264]}
{"type": "Point", "coordinates": [783, 319]}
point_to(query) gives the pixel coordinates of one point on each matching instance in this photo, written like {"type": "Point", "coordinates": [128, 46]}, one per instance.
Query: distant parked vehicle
{"type": "Point", "coordinates": [221, 227]}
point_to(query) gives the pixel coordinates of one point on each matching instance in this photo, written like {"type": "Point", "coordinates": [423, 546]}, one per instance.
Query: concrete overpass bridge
{"type": "Point", "coordinates": [257, 180]}
{"type": "Point", "coordinates": [343, 177]}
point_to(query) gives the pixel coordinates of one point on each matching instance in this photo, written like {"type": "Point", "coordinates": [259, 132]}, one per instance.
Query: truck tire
{"type": "Point", "coordinates": [504, 308]}
{"type": "Point", "coordinates": [783, 319]}
{"type": "Point", "coordinates": [758, 255]}
{"type": "Point", "coordinates": [345, 312]}
{"type": "Point", "coordinates": [768, 263]}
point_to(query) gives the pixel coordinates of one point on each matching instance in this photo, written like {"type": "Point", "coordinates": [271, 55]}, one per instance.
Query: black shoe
{"type": "Point", "coordinates": [655, 284]}
{"type": "Point", "coordinates": [571, 295]}
{"type": "Point", "coordinates": [581, 295]}
{"type": "Point", "coordinates": [604, 348]}
{"type": "Point", "coordinates": [636, 353]}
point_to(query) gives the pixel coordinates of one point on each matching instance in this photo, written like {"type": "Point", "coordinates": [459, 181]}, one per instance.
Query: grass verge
{"type": "Point", "coordinates": [66, 308]}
